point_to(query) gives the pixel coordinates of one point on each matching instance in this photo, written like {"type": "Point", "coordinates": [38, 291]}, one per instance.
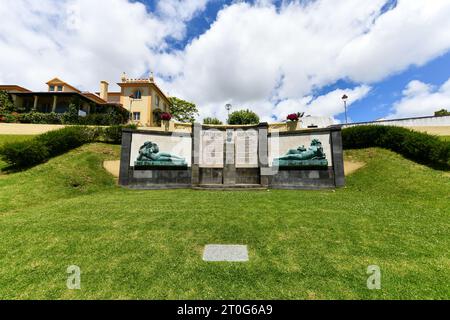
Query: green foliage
{"type": "Point", "coordinates": [45, 146]}
{"type": "Point", "coordinates": [40, 118]}
{"type": "Point", "coordinates": [214, 121]}
{"type": "Point", "coordinates": [442, 112]}
{"type": "Point", "coordinates": [71, 116]}
{"type": "Point", "coordinates": [113, 134]}
{"type": "Point", "coordinates": [243, 117]}
{"type": "Point", "coordinates": [183, 111]}
{"type": "Point", "coordinates": [417, 146]}
{"type": "Point", "coordinates": [23, 154]}
{"type": "Point", "coordinates": [6, 103]}
{"type": "Point", "coordinates": [10, 117]}
{"type": "Point", "coordinates": [93, 119]}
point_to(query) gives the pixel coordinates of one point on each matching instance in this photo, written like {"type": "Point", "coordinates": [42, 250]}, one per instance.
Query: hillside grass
{"type": "Point", "coordinates": [132, 244]}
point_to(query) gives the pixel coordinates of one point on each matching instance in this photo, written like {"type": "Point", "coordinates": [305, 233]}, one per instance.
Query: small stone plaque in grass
{"type": "Point", "coordinates": [231, 253]}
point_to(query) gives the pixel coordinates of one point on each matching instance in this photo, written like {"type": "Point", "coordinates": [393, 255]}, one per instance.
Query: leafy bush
{"type": "Point", "coordinates": [6, 103]}
{"type": "Point", "coordinates": [214, 121]}
{"type": "Point", "coordinates": [23, 154]}
{"type": "Point", "coordinates": [420, 147]}
{"type": "Point", "coordinates": [113, 134]}
{"type": "Point", "coordinates": [10, 117]}
{"type": "Point", "coordinates": [47, 145]}
{"type": "Point", "coordinates": [40, 118]}
{"type": "Point", "coordinates": [441, 113]}
{"type": "Point", "coordinates": [94, 119]}
{"type": "Point", "coordinates": [243, 117]}
{"type": "Point", "coordinates": [71, 116]}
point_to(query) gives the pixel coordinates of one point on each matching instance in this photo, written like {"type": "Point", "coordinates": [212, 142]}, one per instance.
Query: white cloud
{"type": "Point", "coordinates": [252, 56]}
{"type": "Point", "coordinates": [81, 41]}
{"type": "Point", "coordinates": [421, 99]}
{"type": "Point", "coordinates": [327, 105]}
{"type": "Point", "coordinates": [259, 53]}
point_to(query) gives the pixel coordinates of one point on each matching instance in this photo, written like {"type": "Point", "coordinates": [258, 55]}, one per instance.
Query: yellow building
{"type": "Point", "coordinates": [141, 97]}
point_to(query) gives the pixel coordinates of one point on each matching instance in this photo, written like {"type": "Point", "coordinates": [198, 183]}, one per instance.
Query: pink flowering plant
{"type": "Point", "coordinates": [293, 117]}
{"type": "Point", "coordinates": [166, 116]}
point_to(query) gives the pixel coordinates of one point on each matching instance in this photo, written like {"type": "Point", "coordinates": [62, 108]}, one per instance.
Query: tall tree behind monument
{"type": "Point", "coordinates": [182, 110]}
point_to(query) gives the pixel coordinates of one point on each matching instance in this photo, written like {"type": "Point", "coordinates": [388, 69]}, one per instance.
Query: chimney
{"type": "Point", "coordinates": [104, 90]}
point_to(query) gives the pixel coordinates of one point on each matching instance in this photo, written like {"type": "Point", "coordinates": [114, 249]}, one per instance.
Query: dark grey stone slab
{"type": "Point", "coordinates": [211, 175]}
{"type": "Point", "coordinates": [125, 154]}
{"type": "Point", "coordinates": [248, 176]}
{"type": "Point", "coordinates": [300, 179]}
{"type": "Point", "coordinates": [338, 158]}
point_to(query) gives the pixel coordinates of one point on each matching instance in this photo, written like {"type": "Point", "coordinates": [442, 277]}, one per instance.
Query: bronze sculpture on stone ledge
{"type": "Point", "coordinates": [149, 156]}
{"type": "Point", "coordinates": [302, 157]}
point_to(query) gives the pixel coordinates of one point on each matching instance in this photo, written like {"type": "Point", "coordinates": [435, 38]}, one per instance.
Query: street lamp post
{"type": "Point", "coordinates": [228, 107]}
{"type": "Point", "coordinates": [344, 98]}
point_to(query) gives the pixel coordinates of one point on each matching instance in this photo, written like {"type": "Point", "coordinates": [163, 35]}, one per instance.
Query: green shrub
{"type": "Point", "coordinates": [420, 147]}
{"type": "Point", "coordinates": [94, 119]}
{"type": "Point", "coordinates": [47, 145]}
{"type": "Point", "coordinates": [243, 117]}
{"type": "Point", "coordinates": [23, 154]}
{"type": "Point", "coordinates": [40, 118]}
{"type": "Point", "coordinates": [213, 121]}
{"type": "Point", "coordinates": [113, 134]}
{"type": "Point", "coordinates": [10, 118]}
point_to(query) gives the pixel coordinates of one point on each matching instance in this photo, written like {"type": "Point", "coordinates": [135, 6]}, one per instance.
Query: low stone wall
{"type": "Point", "coordinates": [294, 179]}
{"type": "Point", "coordinates": [231, 157]}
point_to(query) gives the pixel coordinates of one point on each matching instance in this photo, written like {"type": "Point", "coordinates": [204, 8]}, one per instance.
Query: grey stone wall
{"type": "Point", "coordinates": [308, 179]}
{"type": "Point", "coordinates": [229, 175]}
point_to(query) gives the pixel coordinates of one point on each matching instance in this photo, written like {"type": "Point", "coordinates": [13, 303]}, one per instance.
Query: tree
{"type": "Point", "coordinates": [6, 103]}
{"type": "Point", "coordinates": [442, 112]}
{"type": "Point", "coordinates": [183, 111]}
{"type": "Point", "coordinates": [243, 117]}
{"type": "Point", "coordinates": [212, 121]}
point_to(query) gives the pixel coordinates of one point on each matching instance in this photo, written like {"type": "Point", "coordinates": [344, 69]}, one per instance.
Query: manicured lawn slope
{"type": "Point", "coordinates": [148, 244]}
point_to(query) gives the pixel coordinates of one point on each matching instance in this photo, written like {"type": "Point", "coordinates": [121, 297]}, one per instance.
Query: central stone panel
{"type": "Point", "coordinates": [229, 156]}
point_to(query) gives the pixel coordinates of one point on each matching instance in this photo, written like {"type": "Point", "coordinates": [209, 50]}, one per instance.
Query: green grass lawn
{"type": "Point", "coordinates": [148, 244]}
{"type": "Point", "coordinates": [445, 138]}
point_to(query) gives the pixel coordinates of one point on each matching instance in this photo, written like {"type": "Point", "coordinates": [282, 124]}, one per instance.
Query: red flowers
{"type": "Point", "coordinates": [293, 117]}
{"type": "Point", "coordinates": [166, 116]}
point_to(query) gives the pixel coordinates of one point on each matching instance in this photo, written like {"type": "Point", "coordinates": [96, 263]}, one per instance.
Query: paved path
{"type": "Point", "coordinates": [27, 129]}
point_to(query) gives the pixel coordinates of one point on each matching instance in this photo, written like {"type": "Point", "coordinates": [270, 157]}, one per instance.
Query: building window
{"type": "Point", "coordinates": [52, 88]}
{"type": "Point", "coordinates": [157, 101]}
{"type": "Point", "coordinates": [137, 94]}
{"type": "Point", "coordinates": [60, 88]}
{"type": "Point", "coordinates": [136, 116]}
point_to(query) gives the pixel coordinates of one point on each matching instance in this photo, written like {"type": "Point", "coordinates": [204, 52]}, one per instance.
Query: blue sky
{"type": "Point", "coordinates": [391, 57]}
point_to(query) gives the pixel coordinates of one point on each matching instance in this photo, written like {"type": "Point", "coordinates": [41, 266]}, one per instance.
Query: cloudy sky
{"type": "Point", "coordinates": [392, 58]}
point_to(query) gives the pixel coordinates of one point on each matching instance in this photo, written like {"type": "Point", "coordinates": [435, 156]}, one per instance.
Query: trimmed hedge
{"type": "Point", "coordinates": [29, 153]}
{"type": "Point", "coordinates": [113, 134]}
{"type": "Point", "coordinates": [417, 146]}
{"type": "Point", "coordinates": [95, 119]}
{"type": "Point", "coordinates": [45, 146]}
